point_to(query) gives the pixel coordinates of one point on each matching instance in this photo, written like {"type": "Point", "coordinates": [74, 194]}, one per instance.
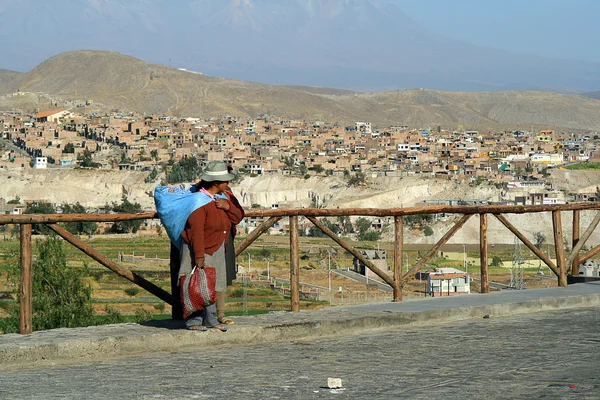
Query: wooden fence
{"type": "Point", "coordinates": [564, 263]}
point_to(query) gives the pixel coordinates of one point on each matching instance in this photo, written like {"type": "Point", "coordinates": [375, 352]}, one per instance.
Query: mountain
{"type": "Point", "coordinates": [124, 82]}
{"type": "Point", "coordinates": [592, 95]}
{"type": "Point", "coordinates": [349, 44]}
{"type": "Point", "coordinates": [6, 77]}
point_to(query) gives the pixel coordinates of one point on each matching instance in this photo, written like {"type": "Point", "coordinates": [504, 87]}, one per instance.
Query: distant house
{"type": "Point", "coordinates": [377, 257]}
{"type": "Point", "coordinates": [40, 162]}
{"type": "Point", "coordinates": [447, 282]}
{"type": "Point", "coordinates": [590, 268]}
{"type": "Point", "coordinates": [51, 115]}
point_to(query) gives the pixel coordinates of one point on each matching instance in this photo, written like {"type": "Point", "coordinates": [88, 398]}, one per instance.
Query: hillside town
{"type": "Point", "coordinates": [270, 145]}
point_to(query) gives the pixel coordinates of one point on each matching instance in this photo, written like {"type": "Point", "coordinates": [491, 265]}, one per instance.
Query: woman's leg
{"type": "Point", "coordinates": [195, 320]}
{"type": "Point", "coordinates": [220, 305]}
{"type": "Point", "coordinates": [216, 260]}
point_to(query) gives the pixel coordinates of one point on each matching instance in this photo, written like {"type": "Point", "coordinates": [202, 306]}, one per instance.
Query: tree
{"type": "Point", "coordinates": [152, 176]}
{"type": "Point", "coordinates": [370, 236]}
{"type": "Point", "coordinates": [344, 224]}
{"type": "Point", "coordinates": [318, 169]}
{"type": "Point", "coordinates": [357, 180]}
{"type": "Point", "coordinates": [363, 226]}
{"type": "Point", "coordinates": [154, 155]}
{"type": "Point", "coordinates": [303, 169]}
{"type": "Point", "coordinates": [540, 239]}
{"type": "Point", "coordinates": [86, 160]}
{"type": "Point", "coordinates": [61, 298]}
{"type": "Point", "coordinates": [288, 161]}
{"type": "Point", "coordinates": [69, 148]}
{"type": "Point", "coordinates": [496, 261]}
{"type": "Point", "coordinates": [186, 170]}
{"type": "Point", "coordinates": [40, 208]}
{"type": "Point", "coordinates": [427, 230]}
{"type": "Point", "coordinates": [78, 227]}
{"type": "Point", "coordinates": [128, 208]}
{"type": "Point", "coordinates": [417, 219]}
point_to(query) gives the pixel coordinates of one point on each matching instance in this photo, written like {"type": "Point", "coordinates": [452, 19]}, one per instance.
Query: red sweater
{"type": "Point", "coordinates": [207, 228]}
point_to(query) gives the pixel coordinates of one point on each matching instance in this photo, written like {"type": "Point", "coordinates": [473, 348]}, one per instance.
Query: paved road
{"type": "Point", "coordinates": [362, 279]}
{"type": "Point", "coordinates": [552, 355]}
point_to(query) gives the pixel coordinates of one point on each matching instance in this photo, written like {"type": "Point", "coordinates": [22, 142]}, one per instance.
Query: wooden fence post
{"type": "Point", "coordinates": [26, 312]}
{"type": "Point", "coordinates": [576, 232]}
{"type": "Point", "coordinates": [398, 250]}
{"type": "Point", "coordinates": [294, 264]}
{"type": "Point", "coordinates": [560, 249]}
{"type": "Point", "coordinates": [483, 253]}
{"type": "Point", "coordinates": [176, 309]}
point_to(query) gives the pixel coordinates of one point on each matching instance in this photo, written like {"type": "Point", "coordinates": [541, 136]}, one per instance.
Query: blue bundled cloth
{"type": "Point", "coordinates": [174, 206]}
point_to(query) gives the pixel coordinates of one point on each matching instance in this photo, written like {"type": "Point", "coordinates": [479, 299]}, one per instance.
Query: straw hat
{"type": "Point", "coordinates": [216, 171]}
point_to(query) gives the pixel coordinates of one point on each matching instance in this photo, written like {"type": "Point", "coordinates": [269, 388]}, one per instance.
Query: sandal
{"type": "Point", "coordinates": [221, 327]}
{"type": "Point", "coordinates": [199, 328]}
{"type": "Point", "coordinates": [225, 321]}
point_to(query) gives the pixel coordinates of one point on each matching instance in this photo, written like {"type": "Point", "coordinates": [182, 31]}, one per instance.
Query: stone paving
{"type": "Point", "coordinates": [130, 339]}
{"type": "Point", "coordinates": [547, 355]}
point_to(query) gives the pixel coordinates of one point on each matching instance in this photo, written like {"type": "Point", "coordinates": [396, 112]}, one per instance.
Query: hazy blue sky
{"type": "Point", "coordinates": [553, 28]}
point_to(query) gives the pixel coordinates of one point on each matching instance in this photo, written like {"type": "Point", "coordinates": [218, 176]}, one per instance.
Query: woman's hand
{"type": "Point", "coordinates": [223, 204]}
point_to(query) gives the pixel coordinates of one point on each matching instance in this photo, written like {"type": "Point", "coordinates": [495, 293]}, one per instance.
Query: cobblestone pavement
{"type": "Point", "coordinates": [549, 355]}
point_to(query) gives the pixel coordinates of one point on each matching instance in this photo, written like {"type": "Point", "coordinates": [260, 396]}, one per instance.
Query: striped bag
{"type": "Point", "coordinates": [198, 289]}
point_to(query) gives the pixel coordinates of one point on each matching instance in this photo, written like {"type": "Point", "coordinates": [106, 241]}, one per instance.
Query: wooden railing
{"type": "Point", "coordinates": [564, 262]}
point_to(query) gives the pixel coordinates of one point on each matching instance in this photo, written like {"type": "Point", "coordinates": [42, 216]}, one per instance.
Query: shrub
{"type": "Point", "coordinates": [142, 315]}
{"type": "Point", "coordinates": [132, 291]}
{"type": "Point", "coordinates": [370, 236]}
{"type": "Point", "coordinates": [427, 231]}
{"type": "Point", "coordinates": [496, 261]}
{"type": "Point", "coordinates": [112, 316]}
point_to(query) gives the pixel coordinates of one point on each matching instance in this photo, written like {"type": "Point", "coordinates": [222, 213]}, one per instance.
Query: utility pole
{"type": "Point", "coordinates": [329, 269]}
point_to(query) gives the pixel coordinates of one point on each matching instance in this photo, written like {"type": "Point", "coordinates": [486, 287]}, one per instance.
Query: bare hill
{"type": "Point", "coordinates": [592, 95]}
{"type": "Point", "coordinates": [125, 82]}
{"type": "Point", "coordinates": [6, 76]}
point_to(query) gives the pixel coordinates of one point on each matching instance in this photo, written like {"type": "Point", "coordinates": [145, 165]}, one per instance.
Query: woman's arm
{"type": "Point", "coordinates": [195, 234]}
{"type": "Point", "coordinates": [236, 212]}
{"type": "Point", "coordinates": [232, 208]}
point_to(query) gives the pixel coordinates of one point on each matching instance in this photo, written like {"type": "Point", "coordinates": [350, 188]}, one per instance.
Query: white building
{"type": "Point", "coordinates": [590, 268]}
{"type": "Point", "coordinates": [363, 127]}
{"type": "Point", "coordinates": [448, 282]}
{"type": "Point", "coordinates": [40, 162]}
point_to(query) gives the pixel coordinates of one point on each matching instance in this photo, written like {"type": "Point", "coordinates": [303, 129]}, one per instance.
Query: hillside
{"type": "Point", "coordinates": [6, 76]}
{"type": "Point", "coordinates": [124, 82]}
{"type": "Point", "coordinates": [97, 188]}
{"type": "Point", "coordinates": [592, 95]}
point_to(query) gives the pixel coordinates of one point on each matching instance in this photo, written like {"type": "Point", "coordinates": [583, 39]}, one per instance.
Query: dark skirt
{"type": "Point", "coordinates": [230, 264]}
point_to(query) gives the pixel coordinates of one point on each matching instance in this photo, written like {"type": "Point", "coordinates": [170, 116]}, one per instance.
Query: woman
{"type": "Point", "coordinates": [205, 238]}
{"type": "Point", "coordinates": [230, 264]}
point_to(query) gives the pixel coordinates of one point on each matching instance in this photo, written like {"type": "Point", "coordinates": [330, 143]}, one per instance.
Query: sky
{"type": "Point", "coordinates": [565, 29]}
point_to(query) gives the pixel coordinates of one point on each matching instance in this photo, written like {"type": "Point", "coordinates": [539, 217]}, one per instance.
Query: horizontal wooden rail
{"type": "Point", "coordinates": [315, 212]}
{"type": "Point", "coordinates": [392, 212]}
{"type": "Point", "coordinates": [54, 218]}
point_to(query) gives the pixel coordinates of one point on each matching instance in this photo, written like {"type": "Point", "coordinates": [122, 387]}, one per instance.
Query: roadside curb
{"type": "Point", "coordinates": [110, 341]}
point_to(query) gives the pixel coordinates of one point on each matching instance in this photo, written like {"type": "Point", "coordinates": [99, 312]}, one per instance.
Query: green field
{"type": "Point", "coordinates": [584, 166]}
